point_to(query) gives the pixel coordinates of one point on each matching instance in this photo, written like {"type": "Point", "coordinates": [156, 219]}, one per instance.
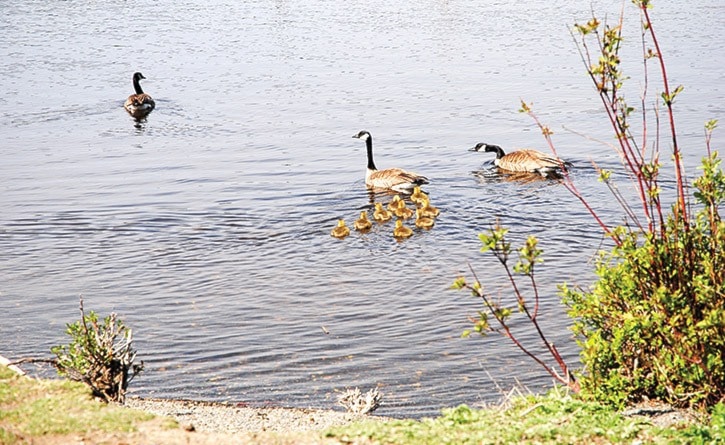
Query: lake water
{"type": "Point", "coordinates": [207, 227]}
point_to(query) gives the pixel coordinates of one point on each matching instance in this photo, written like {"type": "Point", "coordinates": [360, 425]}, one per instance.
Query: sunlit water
{"type": "Point", "coordinates": [207, 227]}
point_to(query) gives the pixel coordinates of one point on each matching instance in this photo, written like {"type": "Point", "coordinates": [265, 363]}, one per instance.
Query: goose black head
{"type": "Point", "coordinates": [364, 135]}
{"type": "Point", "coordinates": [482, 146]}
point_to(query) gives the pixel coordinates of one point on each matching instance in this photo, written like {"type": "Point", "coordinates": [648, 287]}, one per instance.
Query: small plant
{"type": "Point", "coordinates": [356, 403]}
{"type": "Point", "coordinates": [529, 255]}
{"type": "Point", "coordinates": [100, 355]}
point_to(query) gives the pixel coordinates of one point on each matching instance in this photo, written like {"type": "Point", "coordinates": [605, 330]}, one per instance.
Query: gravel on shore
{"type": "Point", "coordinates": [227, 418]}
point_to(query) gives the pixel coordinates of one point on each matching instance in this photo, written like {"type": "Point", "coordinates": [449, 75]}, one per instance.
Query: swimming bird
{"type": "Point", "coordinates": [403, 211]}
{"type": "Point", "coordinates": [394, 204]}
{"type": "Point", "coordinates": [139, 105]}
{"type": "Point", "coordinates": [532, 161]}
{"type": "Point", "coordinates": [423, 222]}
{"type": "Point", "coordinates": [363, 224]}
{"type": "Point", "coordinates": [417, 196]}
{"type": "Point", "coordinates": [428, 210]}
{"type": "Point", "coordinates": [341, 231]}
{"type": "Point", "coordinates": [380, 214]}
{"type": "Point", "coordinates": [401, 231]}
{"type": "Point", "coordinates": [392, 178]}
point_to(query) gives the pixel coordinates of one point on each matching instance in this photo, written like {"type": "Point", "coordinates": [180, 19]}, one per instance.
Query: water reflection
{"type": "Point", "coordinates": [493, 174]}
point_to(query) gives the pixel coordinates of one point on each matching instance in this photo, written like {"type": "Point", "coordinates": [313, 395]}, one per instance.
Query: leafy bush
{"type": "Point", "coordinates": [100, 355]}
{"type": "Point", "coordinates": [654, 323]}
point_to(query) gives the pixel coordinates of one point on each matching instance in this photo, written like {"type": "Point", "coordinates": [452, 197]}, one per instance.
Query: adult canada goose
{"type": "Point", "coordinates": [363, 224]}
{"type": "Point", "coordinates": [139, 105]}
{"type": "Point", "coordinates": [532, 161]}
{"type": "Point", "coordinates": [423, 222]}
{"type": "Point", "coordinates": [341, 231]}
{"type": "Point", "coordinates": [392, 178]}
{"type": "Point", "coordinates": [401, 231]}
{"type": "Point", "coordinates": [380, 214]}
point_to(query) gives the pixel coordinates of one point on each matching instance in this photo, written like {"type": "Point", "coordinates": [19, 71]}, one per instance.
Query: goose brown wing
{"type": "Point", "coordinates": [138, 100]}
{"type": "Point", "coordinates": [392, 177]}
{"type": "Point", "coordinates": [528, 161]}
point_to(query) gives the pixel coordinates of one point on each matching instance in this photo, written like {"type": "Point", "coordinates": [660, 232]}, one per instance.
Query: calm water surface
{"type": "Point", "coordinates": [206, 228]}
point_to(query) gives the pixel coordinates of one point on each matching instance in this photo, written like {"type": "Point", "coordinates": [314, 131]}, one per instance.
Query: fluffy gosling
{"type": "Point", "coordinates": [341, 231]}
{"type": "Point", "coordinates": [363, 224]}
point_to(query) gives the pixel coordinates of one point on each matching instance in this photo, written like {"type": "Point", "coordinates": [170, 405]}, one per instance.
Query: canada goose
{"type": "Point", "coordinates": [532, 161]}
{"type": "Point", "coordinates": [380, 214]}
{"type": "Point", "coordinates": [423, 222]}
{"type": "Point", "coordinates": [341, 231]}
{"type": "Point", "coordinates": [428, 210]}
{"type": "Point", "coordinates": [392, 178]}
{"type": "Point", "coordinates": [418, 196]}
{"type": "Point", "coordinates": [401, 231]}
{"type": "Point", "coordinates": [363, 224]}
{"type": "Point", "coordinates": [139, 105]}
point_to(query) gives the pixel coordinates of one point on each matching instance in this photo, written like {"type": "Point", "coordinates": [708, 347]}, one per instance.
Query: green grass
{"type": "Point", "coordinates": [554, 418]}
{"type": "Point", "coordinates": [34, 408]}
{"type": "Point", "coordinates": [31, 409]}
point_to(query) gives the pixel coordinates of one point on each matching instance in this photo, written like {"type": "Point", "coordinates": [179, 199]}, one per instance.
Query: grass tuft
{"type": "Point", "coordinates": [552, 418]}
{"type": "Point", "coordinates": [35, 408]}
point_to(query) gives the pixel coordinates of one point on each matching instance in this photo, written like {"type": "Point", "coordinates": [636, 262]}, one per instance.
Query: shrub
{"type": "Point", "coordinates": [100, 355]}
{"type": "Point", "coordinates": [653, 325]}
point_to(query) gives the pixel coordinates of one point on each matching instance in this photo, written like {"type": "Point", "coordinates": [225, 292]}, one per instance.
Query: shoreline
{"type": "Point", "coordinates": [215, 417]}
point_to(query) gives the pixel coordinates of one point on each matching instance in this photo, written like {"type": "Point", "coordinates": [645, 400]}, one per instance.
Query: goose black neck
{"type": "Point", "coordinates": [496, 149]}
{"type": "Point", "coordinates": [369, 143]}
{"type": "Point", "coordinates": [137, 85]}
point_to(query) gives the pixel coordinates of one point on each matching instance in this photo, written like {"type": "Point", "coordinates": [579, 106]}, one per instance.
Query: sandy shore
{"type": "Point", "coordinates": [227, 418]}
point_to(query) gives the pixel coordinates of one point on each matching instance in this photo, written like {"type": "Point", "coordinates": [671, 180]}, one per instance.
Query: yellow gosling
{"type": "Point", "coordinates": [418, 196]}
{"type": "Point", "coordinates": [341, 231]}
{"type": "Point", "coordinates": [402, 211]}
{"type": "Point", "coordinates": [363, 224]}
{"type": "Point", "coordinates": [428, 210]}
{"type": "Point", "coordinates": [423, 222]}
{"type": "Point", "coordinates": [380, 214]}
{"type": "Point", "coordinates": [395, 203]}
{"type": "Point", "coordinates": [401, 231]}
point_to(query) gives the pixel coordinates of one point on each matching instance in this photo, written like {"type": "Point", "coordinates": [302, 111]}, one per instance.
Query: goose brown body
{"type": "Point", "coordinates": [526, 160]}
{"type": "Point", "coordinates": [139, 105]}
{"type": "Point", "coordinates": [391, 178]}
